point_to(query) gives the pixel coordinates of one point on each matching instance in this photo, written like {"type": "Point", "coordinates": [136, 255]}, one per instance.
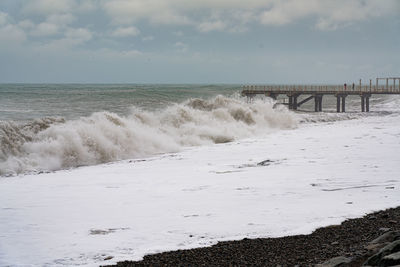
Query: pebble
{"type": "Point", "coordinates": [335, 262]}
{"type": "Point", "coordinates": [391, 259]}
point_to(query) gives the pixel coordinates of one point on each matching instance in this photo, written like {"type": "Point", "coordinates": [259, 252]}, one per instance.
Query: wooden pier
{"type": "Point", "coordinates": [316, 92]}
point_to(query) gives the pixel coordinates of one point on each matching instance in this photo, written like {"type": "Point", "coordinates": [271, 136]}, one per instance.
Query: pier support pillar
{"type": "Point", "coordinates": [338, 103]}
{"type": "Point", "coordinates": [344, 103]}
{"type": "Point", "coordinates": [290, 102]}
{"type": "Point", "coordinates": [271, 95]}
{"type": "Point", "coordinates": [317, 103]}
{"type": "Point", "coordinates": [320, 103]}
{"type": "Point", "coordinates": [362, 103]}
{"type": "Point", "coordinates": [294, 102]}
{"type": "Point", "coordinates": [365, 102]}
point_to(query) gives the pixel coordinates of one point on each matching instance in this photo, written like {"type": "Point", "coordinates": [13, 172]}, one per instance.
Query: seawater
{"type": "Point", "coordinates": [70, 101]}
{"type": "Point", "coordinates": [47, 127]}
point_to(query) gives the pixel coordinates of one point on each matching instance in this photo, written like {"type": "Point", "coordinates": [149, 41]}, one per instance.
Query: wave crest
{"type": "Point", "coordinates": [53, 143]}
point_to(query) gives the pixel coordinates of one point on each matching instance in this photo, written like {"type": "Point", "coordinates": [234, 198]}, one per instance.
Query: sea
{"type": "Point", "coordinates": [48, 127]}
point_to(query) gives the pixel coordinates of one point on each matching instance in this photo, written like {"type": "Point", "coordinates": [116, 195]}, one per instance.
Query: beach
{"type": "Point", "coordinates": [199, 133]}
{"type": "Point", "coordinates": [286, 182]}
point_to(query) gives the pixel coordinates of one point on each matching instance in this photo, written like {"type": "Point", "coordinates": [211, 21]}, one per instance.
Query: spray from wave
{"type": "Point", "coordinates": [52, 143]}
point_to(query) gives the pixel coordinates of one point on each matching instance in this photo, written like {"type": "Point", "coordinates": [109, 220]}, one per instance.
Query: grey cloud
{"type": "Point", "coordinates": [213, 37]}
{"type": "Point", "coordinates": [3, 18]}
{"type": "Point", "coordinates": [46, 7]}
{"type": "Point", "coordinates": [329, 13]}
{"type": "Point", "coordinates": [10, 33]}
{"type": "Point", "coordinates": [45, 29]}
{"type": "Point", "coordinates": [126, 31]}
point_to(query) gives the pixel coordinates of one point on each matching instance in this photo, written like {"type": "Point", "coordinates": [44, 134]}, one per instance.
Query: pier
{"type": "Point", "coordinates": [390, 85]}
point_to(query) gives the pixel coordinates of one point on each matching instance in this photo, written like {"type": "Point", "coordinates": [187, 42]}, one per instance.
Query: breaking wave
{"type": "Point", "coordinates": [52, 143]}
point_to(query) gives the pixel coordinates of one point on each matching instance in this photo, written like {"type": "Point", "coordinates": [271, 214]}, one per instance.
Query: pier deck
{"type": "Point", "coordinates": [317, 92]}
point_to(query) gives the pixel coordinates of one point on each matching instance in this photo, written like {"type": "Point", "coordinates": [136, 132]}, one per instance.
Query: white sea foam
{"type": "Point", "coordinates": [52, 144]}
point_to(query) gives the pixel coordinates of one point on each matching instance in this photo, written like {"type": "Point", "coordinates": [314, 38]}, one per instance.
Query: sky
{"type": "Point", "coordinates": [190, 41]}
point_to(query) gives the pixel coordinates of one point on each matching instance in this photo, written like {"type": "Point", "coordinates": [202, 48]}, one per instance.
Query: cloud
{"type": "Point", "coordinates": [126, 32]}
{"type": "Point", "coordinates": [78, 36]}
{"type": "Point", "coordinates": [212, 26]}
{"type": "Point", "coordinates": [11, 34]}
{"type": "Point", "coordinates": [61, 19]}
{"type": "Point", "coordinates": [3, 18]}
{"type": "Point", "coordinates": [178, 33]}
{"type": "Point", "coordinates": [181, 47]}
{"type": "Point", "coordinates": [284, 12]}
{"type": "Point", "coordinates": [336, 16]}
{"type": "Point", "coordinates": [87, 5]}
{"type": "Point", "coordinates": [130, 53]}
{"type": "Point", "coordinates": [26, 24]}
{"type": "Point", "coordinates": [328, 14]}
{"type": "Point", "coordinates": [46, 7]}
{"type": "Point", "coordinates": [45, 29]}
{"type": "Point", "coordinates": [53, 25]}
{"type": "Point", "coordinates": [72, 37]}
{"type": "Point", "coordinates": [113, 54]}
{"type": "Point", "coordinates": [155, 11]}
{"type": "Point", "coordinates": [148, 38]}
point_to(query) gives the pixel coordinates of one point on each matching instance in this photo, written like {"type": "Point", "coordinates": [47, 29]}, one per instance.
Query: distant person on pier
{"type": "Point", "coordinates": [353, 86]}
{"type": "Point", "coordinates": [345, 86]}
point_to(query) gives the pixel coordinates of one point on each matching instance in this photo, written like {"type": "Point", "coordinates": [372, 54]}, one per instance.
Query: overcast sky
{"type": "Point", "coordinates": [198, 41]}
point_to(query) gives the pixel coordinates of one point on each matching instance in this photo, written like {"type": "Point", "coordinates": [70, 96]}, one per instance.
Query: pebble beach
{"type": "Point", "coordinates": [354, 242]}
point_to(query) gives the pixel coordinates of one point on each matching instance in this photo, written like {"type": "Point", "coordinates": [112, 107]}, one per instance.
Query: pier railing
{"type": "Point", "coordinates": [316, 92]}
{"type": "Point", "coordinates": [325, 89]}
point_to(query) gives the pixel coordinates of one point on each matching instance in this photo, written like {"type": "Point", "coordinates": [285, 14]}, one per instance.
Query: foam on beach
{"type": "Point", "coordinates": [285, 183]}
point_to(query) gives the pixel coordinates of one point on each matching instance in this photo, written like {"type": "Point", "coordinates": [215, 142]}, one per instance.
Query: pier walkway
{"type": "Point", "coordinates": [316, 92]}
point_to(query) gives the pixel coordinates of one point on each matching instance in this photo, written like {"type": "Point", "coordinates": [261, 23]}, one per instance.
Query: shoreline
{"type": "Point", "coordinates": [289, 183]}
{"type": "Point", "coordinates": [351, 239]}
